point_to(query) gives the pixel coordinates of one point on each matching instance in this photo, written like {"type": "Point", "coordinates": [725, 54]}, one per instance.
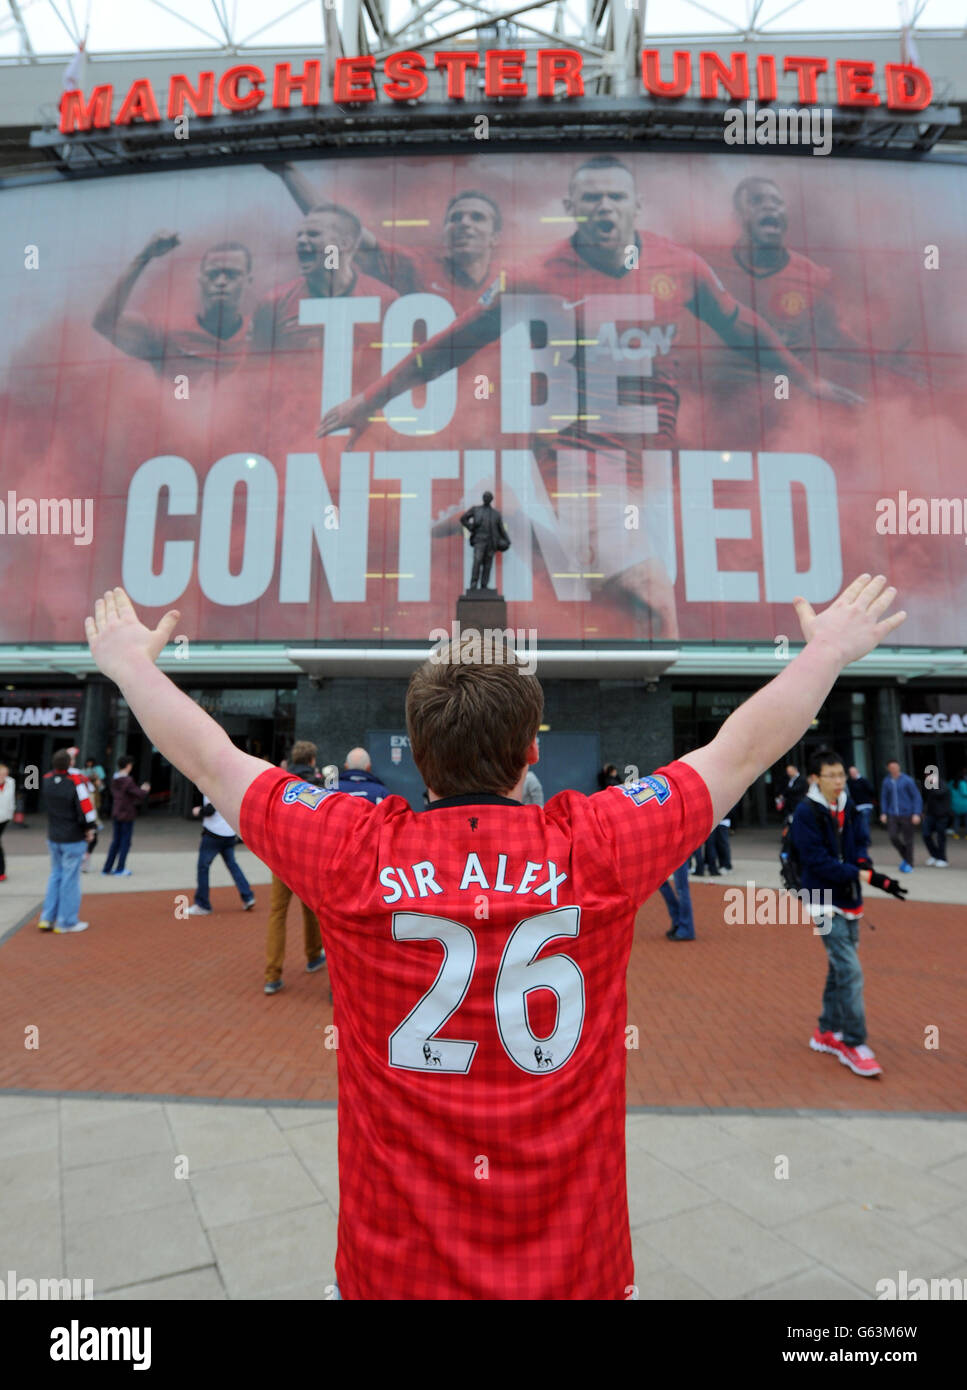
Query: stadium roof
{"type": "Point", "coordinates": [38, 31]}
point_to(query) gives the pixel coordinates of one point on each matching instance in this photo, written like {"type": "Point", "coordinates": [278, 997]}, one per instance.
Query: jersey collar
{"type": "Point", "coordinates": [474, 799]}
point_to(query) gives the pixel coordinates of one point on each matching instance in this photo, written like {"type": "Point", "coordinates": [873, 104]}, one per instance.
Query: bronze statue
{"type": "Point", "coordinates": [488, 534]}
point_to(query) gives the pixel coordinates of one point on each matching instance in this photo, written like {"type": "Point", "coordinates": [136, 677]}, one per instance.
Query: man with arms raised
{"type": "Point", "coordinates": [478, 952]}
{"type": "Point", "coordinates": [217, 337]}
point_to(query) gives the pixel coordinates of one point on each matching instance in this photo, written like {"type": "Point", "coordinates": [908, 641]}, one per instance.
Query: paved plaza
{"type": "Point", "coordinates": [173, 1132]}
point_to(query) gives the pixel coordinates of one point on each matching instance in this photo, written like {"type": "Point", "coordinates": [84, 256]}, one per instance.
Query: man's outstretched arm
{"type": "Point", "coordinates": [125, 650]}
{"type": "Point", "coordinates": [776, 717]}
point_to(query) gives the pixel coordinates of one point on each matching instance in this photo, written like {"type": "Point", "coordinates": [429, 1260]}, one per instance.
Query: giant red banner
{"type": "Point", "coordinates": [695, 385]}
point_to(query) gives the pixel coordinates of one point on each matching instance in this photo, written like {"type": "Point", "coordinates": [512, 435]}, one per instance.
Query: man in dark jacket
{"type": "Point", "coordinates": [833, 852]}
{"type": "Point", "coordinates": [357, 777]}
{"type": "Point", "coordinates": [126, 797]}
{"type": "Point", "coordinates": [302, 763]}
{"type": "Point", "coordinates": [71, 824]}
{"type": "Point", "coordinates": [936, 822]}
{"type": "Point", "coordinates": [860, 793]}
{"type": "Point", "coordinates": [795, 789]}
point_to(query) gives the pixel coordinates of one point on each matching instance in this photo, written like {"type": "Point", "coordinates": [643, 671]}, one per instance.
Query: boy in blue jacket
{"type": "Point", "coordinates": [833, 848]}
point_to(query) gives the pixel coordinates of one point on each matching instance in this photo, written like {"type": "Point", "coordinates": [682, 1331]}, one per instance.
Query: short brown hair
{"type": "Point", "coordinates": [303, 752]}
{"type": "Point", "coordinates": [471, 722]}
{"type": "Point", "coordinates": [61, 760]}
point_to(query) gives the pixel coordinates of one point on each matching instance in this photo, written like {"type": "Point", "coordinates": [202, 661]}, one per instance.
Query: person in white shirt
{"type": "Point", "coordinates": [8, 792]}
{"type": "Point", "coordinates": [217, 838]}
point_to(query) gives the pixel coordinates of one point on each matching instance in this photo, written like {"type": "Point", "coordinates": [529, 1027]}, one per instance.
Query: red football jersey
{"type": "Point", "coordinates": [276, 325]}
{"type": "Point", "coordinates": [795, 300]}
{"type": "Point", "coordinates": [415, 269]}
{"type": "Point", "coordinates": [477, 953]}
{"type": "Point", "coordinates": [191, 348]}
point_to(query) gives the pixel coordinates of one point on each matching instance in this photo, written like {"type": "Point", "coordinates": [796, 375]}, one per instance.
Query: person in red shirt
{"type": "Point", "coordinates": [623, 310]}
{"type": "Point", "coordinates": [217, 338]}
{"type": "Point", "coordinates": [794, 294]}
{"type": "Point", "coordinates": [478, 951]}
{"type": "Point", "coordinates": [325, 248]}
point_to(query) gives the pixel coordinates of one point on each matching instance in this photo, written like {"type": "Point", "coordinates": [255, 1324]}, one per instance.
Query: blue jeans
{"type": "Point", "coordinates": [718, 850]}
{"type": "Point", "coordinates": [210, 848]}
{"type": "Point", "coordinates": [843, 1010]}
{"type": "Point", "coordinates": [679, 903]}
{"type": "Point", "coordinates": [120, 844]}
{"type": "Point", "coordinates": [865, 814]}
{"type": "Point", "coordinates": [62, 900]}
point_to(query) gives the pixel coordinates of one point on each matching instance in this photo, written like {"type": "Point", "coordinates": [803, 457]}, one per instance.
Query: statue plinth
{"type": "Point", "coordinates": [481, 608]}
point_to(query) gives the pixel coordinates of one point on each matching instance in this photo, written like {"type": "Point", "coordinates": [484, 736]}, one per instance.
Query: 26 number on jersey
{"type": "Point", "coordinates": [414, 1046]}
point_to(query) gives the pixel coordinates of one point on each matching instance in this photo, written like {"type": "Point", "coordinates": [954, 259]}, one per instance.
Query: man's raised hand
{"type": "Point", "coordinates": [160, 244]}
{"type": "Point", "coordinates": [119, 640]}
{"type": "Point", "coordinates": [853, 624]}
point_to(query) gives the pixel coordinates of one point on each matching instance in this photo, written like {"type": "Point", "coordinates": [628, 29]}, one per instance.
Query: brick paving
{"type": "Point", "coordinates": [147, 1004]}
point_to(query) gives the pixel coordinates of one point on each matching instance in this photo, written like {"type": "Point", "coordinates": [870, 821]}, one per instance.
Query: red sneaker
{"type": "Point", "coordinates": [860, 1059]}
{"type": "Point", "coordinates": [824, 1042]}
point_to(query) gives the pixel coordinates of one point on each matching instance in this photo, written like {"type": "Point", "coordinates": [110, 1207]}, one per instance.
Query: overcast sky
{"type": "Point", "coordinates": [131, 25]}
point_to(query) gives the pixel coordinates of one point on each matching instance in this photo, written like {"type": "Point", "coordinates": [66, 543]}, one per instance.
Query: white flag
{"type": "Point", "coordinates": [908, 44]}
{"type": "Point", "coordinates": [72, 73]}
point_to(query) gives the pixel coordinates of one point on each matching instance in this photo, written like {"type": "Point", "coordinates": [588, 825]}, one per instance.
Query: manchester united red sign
{"type": "Point", "coordinates": [404, 77]}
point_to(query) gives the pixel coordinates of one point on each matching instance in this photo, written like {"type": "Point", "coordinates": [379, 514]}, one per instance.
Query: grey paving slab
{"type": "Point", "coordinates": [647, 1260]}
{"type": "Point", "coordinates": [682, 1141]}
{"type": "Point", "coordinates": [864, 1246]}
{"type": "Point", "coordinates": [211, 1135]}
{"type": "Point", "coordinates": [296, 1116]}
{"type": "Point", "coordinates": [29, 1133]}
{"type": "Point", "coordinates": [723, 1250]}
{"type": "Point", "coordinates": [314, 1290]}
{"type": "Point", "coordinates": [751, 1186]}
{"type": "Point", "coordinates": [134, 1247]}
{"type": "Point", "coordinates": [806, 1143]}
{"type": "Point", "coordinates": [907, 1194]}
{"type": "Point", "coordinates": [104, 1140]}
{"type": "Point", "coordinates": [196, 1286]}
{"type": "Point", "coordinates": [273, 1252]}
{"type": "Point", "coordinates": [13, 1107]}
{"type": "Point", "coordinates": [31, 1242]}
{"type": "Point", "coordinates": [256, 1188]}
{"type": "Point", "coordinates": [924, 1143]}
{"type": "Point", "coordinates": [655, 1190]}
{"type": "Point", "coordinates": [29, 1178]}
{"type": "Point", "coordinates": [670, 1283]}
{"type": "Point", "coordinates": [815, 1285]}
{"type": "Point", "coordinates": [123, 1185]}
{"type": "Point", "coordinates": [949, 1230]}
{"type": "Point", "coordinates": [954, 1170]}
{"type": "Point", "coordinates": [317, 1149]}
{"type": "Point", "coordinates": [79, 1111]}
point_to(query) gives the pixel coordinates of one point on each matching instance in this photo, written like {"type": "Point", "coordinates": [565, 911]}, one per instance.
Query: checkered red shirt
{"type": "Point", "coordinates": [478, 953]}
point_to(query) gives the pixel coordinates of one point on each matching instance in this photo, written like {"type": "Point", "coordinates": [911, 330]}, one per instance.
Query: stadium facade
{"type": "Point", "coordinates": [701, 374]}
